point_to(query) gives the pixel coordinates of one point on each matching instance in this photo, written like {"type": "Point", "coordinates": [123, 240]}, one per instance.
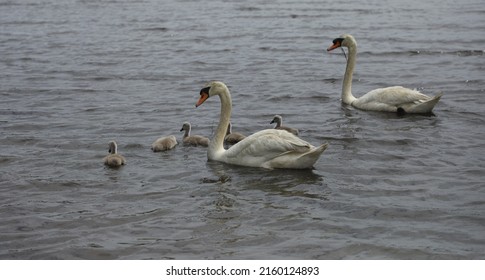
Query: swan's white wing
{"type": "Point", "coordinates": [390, 98]}
{"type": "Point", "coordinates": [394, 96]}
{"type": "Point", "coordinates": [267, 144]}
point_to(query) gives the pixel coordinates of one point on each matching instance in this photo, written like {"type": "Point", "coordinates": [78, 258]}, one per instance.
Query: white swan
{"type": "Point", "coordinates": [391, 99]}
{"type": "Point", "coordinates": [279, 121]}
{"type": "Point", "coordinates": [269, 148]}
{"type": "Point", "coordinates": [114, 159]}
{"type": "Point", "coordinates": [164, 143]}
{"type": "Point", "coordinates": [232, 138]}
{"type": "Point", "coordinates": [194, 140]}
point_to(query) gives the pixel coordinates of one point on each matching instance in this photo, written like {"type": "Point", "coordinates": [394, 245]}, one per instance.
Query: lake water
{"type": "Point", "coordinates": [77, 74]}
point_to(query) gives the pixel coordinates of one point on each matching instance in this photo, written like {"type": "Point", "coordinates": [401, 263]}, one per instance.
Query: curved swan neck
{"type": "Point", "coordinates": [186, 127]}
{"type": "Point", "coordinates": [217, 143]}
{"type": "Point", "coordinates": [347, 96]}
{"type": "Point", "coordinates": [279, 122]}
{"type": "Point", "coordinates": [113, 148]}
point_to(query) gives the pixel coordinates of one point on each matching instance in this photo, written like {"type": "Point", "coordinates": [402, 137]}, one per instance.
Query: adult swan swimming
{"type": "Point", "coordinates": [269, 148]}
{"type": "Point", "coordinates": [391, 99]}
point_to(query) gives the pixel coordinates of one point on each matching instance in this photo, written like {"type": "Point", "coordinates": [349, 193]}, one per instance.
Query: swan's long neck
{"type": "Point", "coordinates": [113, 148]}
{"type": "Point", "coordinates": [187, 132]}
{"type": "Point", "coordinates": [216, 145]}
{"type": "Point", "coordinates": [347, 96]}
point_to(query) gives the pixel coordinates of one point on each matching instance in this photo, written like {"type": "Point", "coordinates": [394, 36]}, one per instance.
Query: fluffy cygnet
{"type": "Point", "coordinates": [232, 138]}
{"type": "Point", "coordinates": [164, 143]}
{"type": "Point", "coordinates": [114, 159]}
{"type": "Point", "coordinates": [279, 121]}
{"type": "Point", "coordinates": [194, 140]}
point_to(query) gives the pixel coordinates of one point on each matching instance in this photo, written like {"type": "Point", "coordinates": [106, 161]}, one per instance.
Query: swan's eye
{"type": "Point", "coordinates": [204, 94]}
{"type": "Point", "coordinates": [338, 41]}
{"type": "Point", "coordinates": [205, 90]}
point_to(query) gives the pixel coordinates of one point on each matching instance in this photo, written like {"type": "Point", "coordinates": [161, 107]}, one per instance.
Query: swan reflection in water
{"type": "Point", "coordinates": [288, 182]}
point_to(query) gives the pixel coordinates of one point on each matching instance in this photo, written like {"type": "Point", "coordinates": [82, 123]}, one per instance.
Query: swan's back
{"type": "Point", "coordinates": [291, 130]}
{"type": "Point", "coordinates": [271, 148]}
{"type": "Point", "coordinates": [396, 99]}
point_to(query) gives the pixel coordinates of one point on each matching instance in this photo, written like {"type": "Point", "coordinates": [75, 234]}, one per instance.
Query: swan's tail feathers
{"type": "Point", "coordinates": [322, 148]}
{"type": "Point", "coordinates": [297, 160]}
{"type": "Point", "coordinates": [436, 98]}
{"type": "Point", "coordinates": [308, 160]}
{"type": "Point", "coordinates": [426, 106]}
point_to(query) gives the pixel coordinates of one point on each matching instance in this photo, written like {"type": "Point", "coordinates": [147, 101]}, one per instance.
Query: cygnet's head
{"type": "Point", "coordinates": [185, 126]}
{"type": "Point", "coordinates": [277, 119]}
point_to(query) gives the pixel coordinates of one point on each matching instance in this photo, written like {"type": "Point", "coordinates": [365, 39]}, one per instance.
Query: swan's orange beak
{"type": "Point", "coordinates": [336, 44]}
{"type": "Point", "coordinates": [202, 99]}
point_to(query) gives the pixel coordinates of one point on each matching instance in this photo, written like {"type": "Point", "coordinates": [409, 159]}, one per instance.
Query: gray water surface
{"type": "Point", "coordinates": [77, 74]}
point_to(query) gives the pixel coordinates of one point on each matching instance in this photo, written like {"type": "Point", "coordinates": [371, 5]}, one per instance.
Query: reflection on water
{"type": "Point", "coordinates": [275, 181]}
